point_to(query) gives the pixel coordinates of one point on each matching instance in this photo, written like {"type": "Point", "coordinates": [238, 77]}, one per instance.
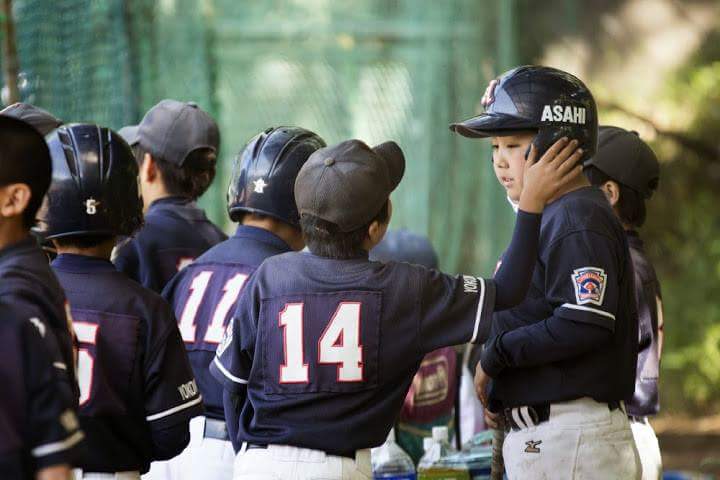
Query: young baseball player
{"type": "Point", "coordinates": [431, 399]}
{"type": "Point", "coordinates": [326, 343]}
{"type": "Point", "coordinates": [39, 434]}
{"type": "Point", "coordinates": [176, 146]}
{"type": "Point", "coordinates": [204, 294]}
{"type": "Point", "coordinates": [626, 170]}
{"type": "Point", "coordinates": [137, 389]}
{"type": "Point", "coordinates": [28, 283]}
{"type": "Point", "coordinates": [562, 361]}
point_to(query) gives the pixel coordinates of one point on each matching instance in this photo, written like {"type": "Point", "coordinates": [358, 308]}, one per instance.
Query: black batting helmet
{"type": "Point", "coordinates": [264, 172]}
{"type": "Point", "coordinates": [94, 189]}
{"type": "Point", "coordinates": [554, 103]}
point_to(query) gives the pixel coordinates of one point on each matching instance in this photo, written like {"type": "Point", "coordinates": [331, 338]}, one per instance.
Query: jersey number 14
{"type": "Point", "coordinates": [338, 345]}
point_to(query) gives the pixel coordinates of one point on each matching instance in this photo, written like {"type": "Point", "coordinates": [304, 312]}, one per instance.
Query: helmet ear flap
{"type": "Point", "coordinates": [545, 139]}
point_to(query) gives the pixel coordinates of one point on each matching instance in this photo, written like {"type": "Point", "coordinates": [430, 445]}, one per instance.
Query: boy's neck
{"type": "Point", "coordinates": [103, 251]}
{"type": "Point", "coordinates": [286, 232]}
{"type": "Point", "coordinates": [12, 231]}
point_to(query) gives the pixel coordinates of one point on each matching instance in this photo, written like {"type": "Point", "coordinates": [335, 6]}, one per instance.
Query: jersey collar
{"type": "Point", "coordinates": [82, 264]}
{"type": "Point", "coordinates": [262, 235]}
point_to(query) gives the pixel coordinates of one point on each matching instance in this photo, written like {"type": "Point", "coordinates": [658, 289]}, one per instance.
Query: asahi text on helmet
{"type": "Point", "coordinates": [563, 113]}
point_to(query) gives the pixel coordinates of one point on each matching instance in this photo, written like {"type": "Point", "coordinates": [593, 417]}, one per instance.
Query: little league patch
{"type": "Point", "coordinates": [589, 283]}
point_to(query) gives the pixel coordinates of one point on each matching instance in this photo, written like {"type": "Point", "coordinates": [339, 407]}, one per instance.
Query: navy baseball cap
{"type": "Point", "coordinates": [172, 130]}
{"type": "Point", "coordinates": [42, 120]}
{"type": "Point", "coordinates": [626, 158]}
{"type": "Point", "coordinates": [348, 183]}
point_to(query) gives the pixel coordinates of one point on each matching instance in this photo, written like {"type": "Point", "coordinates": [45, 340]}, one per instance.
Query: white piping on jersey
{"type": "Point", "coordinates": [229, 375]}
{"type": "Point", "coordinates": [525, 415]}
{"type": "Point", "coordinates": [60, 365]}
{"type": "Point", "coordinates": [179, 408]}
{"type": "Point", "coordinates": [50, 448]}
{"type": "Point", "coordinates": [478, 315]}
{"type": "Point", "coordinates": [588, 309]}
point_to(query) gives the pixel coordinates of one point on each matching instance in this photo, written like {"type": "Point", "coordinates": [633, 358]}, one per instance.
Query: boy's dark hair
{"type": "Point", "coordinates": [191, 179]}
{"type": "Point", "coordinates": [82, 241]}
{"type": "Point", "coordinates": [631, 204]}
{"type": "Point", "coordinates": [24, 158]}
{"type": "Point", "coordinates": [327, 240]}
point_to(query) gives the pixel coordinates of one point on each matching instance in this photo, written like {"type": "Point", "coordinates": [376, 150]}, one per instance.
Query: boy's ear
{"type": "Point", "coordinates": [612, 192]}
{"type": "Point", "coordinates": [148, 169]}
{"type": "Point", "coordinates": [14, 199]}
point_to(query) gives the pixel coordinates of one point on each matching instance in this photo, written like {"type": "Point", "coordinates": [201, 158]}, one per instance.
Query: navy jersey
{"type": "Point", "coordinates": [38, 427]}
{"type": "Point", "coordinates": [575, 334]}
{"type": "Point", "coordinates": [175, 233]}
{"type": "Point", "coordinates": [134, 375]}
{"type": "Point", "coordinates": [327, 348]}
{"type": "Point", "coordinates": [645, 400]}
{"type": "Point", "coordinates": [28, 283]}
{"type": "Point", "coordinates": [204, 296]}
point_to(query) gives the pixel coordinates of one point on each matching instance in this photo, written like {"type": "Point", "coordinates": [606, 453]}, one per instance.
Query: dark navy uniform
{"type": "Point", "coordinates": [176, 232]}
{"type": "Point", "coordinates": [28, 283]}
{"type": "Point", "coordinates": [38, 427]}
{"type": "Point", "coordinates": [204, 297]}
{"type": "Point", "coordinates": [328, 348]}
{"type": "Point", "coordinates": [137, 387]}
{"type": "Point", "coordinates": [645, 400]}
{"type": "Point", "coordinates": [575, 334]}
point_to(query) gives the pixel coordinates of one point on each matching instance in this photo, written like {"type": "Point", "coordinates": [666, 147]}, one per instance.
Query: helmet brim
{"type": "Point", "coordinates": [492, 125]}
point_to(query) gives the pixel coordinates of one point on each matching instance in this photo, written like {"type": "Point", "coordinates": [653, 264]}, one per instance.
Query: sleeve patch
{"type": "Point", "coordinates": [589, 283]}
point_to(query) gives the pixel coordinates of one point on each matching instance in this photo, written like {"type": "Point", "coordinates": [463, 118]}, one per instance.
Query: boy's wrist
{"type": "Point", "coordinates": [530, 203]}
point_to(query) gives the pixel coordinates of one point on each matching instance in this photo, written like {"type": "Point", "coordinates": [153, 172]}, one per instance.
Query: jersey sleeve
{"type": "Point", "coordinates": [454, 310]}
{"type": "Point", "coordinates": [233, 358]}
{"type": "Point", "coordinates": [53, 425]}
{"type": "Point", "coordinates": [171, 393]}
{"type": "Point", "coordinates": [582, 278]}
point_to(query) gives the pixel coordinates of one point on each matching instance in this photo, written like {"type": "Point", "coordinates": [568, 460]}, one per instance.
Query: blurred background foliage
{"type": "Point", "coordinates": [404, 69]}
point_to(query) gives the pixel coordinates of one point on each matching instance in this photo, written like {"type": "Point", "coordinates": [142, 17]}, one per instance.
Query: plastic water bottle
{"type": "Point", "coordinates": [390, 462]}
{"type": "Point", "coordinates": [438, 463]}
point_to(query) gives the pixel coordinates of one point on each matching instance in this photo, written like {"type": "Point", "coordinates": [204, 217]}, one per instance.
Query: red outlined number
{"type": "Point", "coordinates": [87, 336]}
{"type": "Point", "coordinates": [338, 345]}
{"type": "Point", "coordinates": [216, 328]}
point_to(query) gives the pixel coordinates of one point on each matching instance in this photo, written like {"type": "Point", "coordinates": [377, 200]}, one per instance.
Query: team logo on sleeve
{"type": "Point", "coordinates": [227, 338]}
{"type": "Point", "coordinates": [589, 283]}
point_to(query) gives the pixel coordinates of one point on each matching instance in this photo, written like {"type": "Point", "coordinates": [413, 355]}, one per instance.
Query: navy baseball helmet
{"type": "Point", "coordinates": [554, 103]}
{"type": "Point", "coordinates": [264, 172]}
{"type": "Point", "coordinates": [405, 246]}
{"type": "Point", "coordinates": [94, 188]}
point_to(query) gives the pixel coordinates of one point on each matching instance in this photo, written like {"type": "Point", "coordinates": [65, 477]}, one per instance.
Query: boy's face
{"type": "Point", "coordinates": [508, 157]}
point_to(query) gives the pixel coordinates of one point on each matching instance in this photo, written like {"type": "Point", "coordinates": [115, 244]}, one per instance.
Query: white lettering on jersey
{"type": "Point", "coordinates": [39, 325]}
{"type": "Point", "coordinates": [565, 114]}
{"type": "Point", "coordinates": [188, 390]}
{"type": "Point", "coordinates": [470, 284]}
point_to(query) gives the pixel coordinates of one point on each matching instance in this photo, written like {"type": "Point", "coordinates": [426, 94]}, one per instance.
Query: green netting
{"type": "Point", "coordinates": [375, 69]}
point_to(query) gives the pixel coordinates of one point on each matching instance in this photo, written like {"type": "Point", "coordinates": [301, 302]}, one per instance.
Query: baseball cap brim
{"type": "Point", "coordinates": [130, 134]}
{"type": "Point", "coordinates": [394, 159]}
{"type": "Point", "coordinates": [491, 125]}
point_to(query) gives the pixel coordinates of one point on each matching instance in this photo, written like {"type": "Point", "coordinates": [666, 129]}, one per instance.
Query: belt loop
{"type": "Point", "coordinates": [515, 412]}
{"type": "Point", "coordinates": [525, 415]}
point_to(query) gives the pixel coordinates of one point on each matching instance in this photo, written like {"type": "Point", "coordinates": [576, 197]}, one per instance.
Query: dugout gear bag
{"type": "Point", "coordinates": [264, 172]}
{"type": "Point", "coordinates": [552, 102]}
{"type": "Point", "coordinates": [94, 189]}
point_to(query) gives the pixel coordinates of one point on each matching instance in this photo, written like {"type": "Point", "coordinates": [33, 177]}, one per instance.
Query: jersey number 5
{"type": "Point", "coordinates": [216, 328]}
{"type": "Point", "coordinates": [338, 345]}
